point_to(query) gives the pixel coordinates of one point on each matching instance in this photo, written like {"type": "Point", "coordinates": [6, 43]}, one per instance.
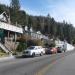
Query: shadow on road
{"type": "Point", "coordinates": [19, 57]}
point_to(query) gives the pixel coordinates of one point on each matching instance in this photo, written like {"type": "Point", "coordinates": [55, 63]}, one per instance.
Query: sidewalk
{"type": "Point", "coordinates": [7, 58]}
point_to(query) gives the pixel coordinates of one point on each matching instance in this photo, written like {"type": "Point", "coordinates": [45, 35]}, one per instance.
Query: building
{"type": "Point", "coordinates": [9, 34]}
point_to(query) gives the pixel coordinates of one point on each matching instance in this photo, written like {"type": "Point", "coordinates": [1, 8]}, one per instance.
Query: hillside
{"type": "Point", "coordinates": [46, 24]}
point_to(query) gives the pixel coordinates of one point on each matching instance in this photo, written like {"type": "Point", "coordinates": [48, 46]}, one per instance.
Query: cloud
{"type": "Point", "coordinates": [59, 9]}
{"type": "Point", "coordinates": [7, 2]}
{"type": "Point", "coordinates": [63, 11]}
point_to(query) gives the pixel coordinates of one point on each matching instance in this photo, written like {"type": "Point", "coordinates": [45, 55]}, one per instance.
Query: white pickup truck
{"type": "Point", "coordinates": [34, 50]}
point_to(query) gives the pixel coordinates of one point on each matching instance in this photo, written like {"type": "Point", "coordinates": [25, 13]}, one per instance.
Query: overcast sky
{"type": "Point", "coordinates": [59, 9]}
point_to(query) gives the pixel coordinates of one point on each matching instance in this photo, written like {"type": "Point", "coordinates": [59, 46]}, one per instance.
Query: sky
{"type": "Point", "coordinates": [59, 9]}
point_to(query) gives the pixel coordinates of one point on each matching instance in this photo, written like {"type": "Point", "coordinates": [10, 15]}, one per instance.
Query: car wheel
{"type": "Point", "coordinates": [41, 53]}
{"type": "Point", "coordinates": [64, 50]}
{"type": "Point", "coordinates": [33, 55]}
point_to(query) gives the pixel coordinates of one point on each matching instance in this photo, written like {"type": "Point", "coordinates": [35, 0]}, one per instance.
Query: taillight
{"type": "Point", "coordinates": [51, 49]}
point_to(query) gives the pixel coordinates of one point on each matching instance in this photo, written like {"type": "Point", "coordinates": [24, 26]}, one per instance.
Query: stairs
{"type": "Point", "coordinates": [4, 48]}
{"type": "Point", "coordinates": [8, 46]}
{"type": "Point", "coordinates": [11, 45]}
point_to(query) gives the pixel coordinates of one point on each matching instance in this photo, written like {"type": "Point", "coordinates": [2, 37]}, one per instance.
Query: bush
{"type": "Point", "coordinates": [22, 46]}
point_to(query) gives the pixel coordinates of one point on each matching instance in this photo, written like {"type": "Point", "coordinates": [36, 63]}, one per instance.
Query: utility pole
{"type": "Point", "coordinates": [24, 33]}
{"type": "Point", "coordinates": [9, 21]}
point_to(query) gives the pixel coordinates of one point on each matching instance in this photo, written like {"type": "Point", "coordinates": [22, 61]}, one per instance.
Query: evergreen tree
{"type": "Point", "coordinates": [29, 22]}
{"type": "Point", "coordinates": [47, 25]}
{"type": "Point", "coordinates": [15, 4]}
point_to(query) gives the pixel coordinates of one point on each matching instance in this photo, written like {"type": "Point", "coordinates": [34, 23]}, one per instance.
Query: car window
{"type": "Point", "coordinates": [31, 48]}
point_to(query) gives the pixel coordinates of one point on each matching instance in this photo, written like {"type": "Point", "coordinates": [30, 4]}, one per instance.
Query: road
{"type": "Point", "coordinates": [56, 64]}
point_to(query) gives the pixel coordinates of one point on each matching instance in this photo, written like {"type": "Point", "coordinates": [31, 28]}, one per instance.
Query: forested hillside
{"type": "Point", "coordinates": [46, 24]}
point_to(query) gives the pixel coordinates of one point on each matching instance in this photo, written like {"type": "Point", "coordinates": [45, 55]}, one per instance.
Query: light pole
{"type": "Point", "coordinates": [24, 31]}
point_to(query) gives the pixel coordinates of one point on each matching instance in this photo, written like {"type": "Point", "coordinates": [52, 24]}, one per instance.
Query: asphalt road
{"type": "Point", "coordinates": [56, 64]}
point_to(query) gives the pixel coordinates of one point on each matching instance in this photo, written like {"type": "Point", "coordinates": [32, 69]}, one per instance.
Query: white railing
{"type": "Point", "coordinates": [10, 27]}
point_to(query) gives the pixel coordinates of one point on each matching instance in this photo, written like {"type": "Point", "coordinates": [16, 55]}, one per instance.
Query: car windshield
{"type": "Point", "coordinates": [31, 47]}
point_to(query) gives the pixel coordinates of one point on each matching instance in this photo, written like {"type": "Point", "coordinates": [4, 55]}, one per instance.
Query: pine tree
{"type": "Point", "coordinates": [15, 4]}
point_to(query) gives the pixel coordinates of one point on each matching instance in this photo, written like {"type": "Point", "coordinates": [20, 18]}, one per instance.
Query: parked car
{"type": "Point", "coordinates": [48, 50]}
{"type": "Point", "coordinates": [34, 50]}
{"type": "Point", "coordinates": [54, 50]}
{"type": "Point", "coordinates": [61, 49]}
{"type": "Point", "coordinates": [51, 50]}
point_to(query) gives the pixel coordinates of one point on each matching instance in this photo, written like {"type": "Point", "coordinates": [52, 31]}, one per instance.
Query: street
{"type": "Point", "coordinates": [37, 37]}
{"type": "Point", "coordinates": [56, 64]}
